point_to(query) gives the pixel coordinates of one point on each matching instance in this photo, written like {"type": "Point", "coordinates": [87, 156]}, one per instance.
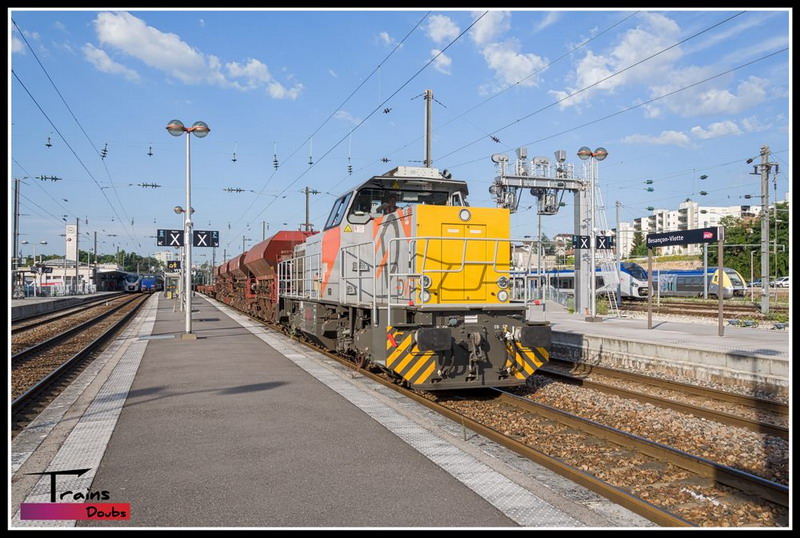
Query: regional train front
{"type": "Point", "coordinates": [132, 283]}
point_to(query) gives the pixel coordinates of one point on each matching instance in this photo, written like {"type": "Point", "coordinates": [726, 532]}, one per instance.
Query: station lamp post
{"type": "Point", "coordinates": [597, 155]}
{"type": "Point", "coordinates": [33, 245]}
{"type": "Point", "coordinates": [200, 130]}
{"type": "Point", "coordinates": [182, 258]}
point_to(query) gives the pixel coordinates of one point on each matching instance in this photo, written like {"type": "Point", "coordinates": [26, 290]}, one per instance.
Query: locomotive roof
{"type": "Point", "coordinates": [416, 178]}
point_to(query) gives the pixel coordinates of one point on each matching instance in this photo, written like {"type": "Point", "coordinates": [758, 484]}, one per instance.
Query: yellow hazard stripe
{"type": "Point", "coordinates": [523, 363]}
{"type": "Point", "coordinates": [423, 377]}
{"type": "Point", "coordinates": [405, 361]}
{"type": "Point", "coordinates": [399, 351]}
{"type": "Point", "coordinates": [531, 356]}
{"type": "Point", "coordinates": [420, 362]}
{"type": "Point", "coordinates": [392, 335]}
{"type": "Point", "coordinates": [544, 353]}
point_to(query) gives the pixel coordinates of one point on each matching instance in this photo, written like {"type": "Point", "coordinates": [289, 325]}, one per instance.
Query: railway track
{"type": "Point", "coordinates": [755, 414]}
{"type": "Point", "coordinates": [40, 373]}
{"type": "Point", "coordinates": [48, 332]}
{"type": "Point", "coordinates": [36, 320]}
{"type": "Point", "coordinates": [729, 309]}
{"type": "Point", "coordinates": [666, 485]}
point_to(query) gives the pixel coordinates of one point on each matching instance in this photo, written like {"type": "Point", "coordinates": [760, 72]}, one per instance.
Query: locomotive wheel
{"type": "Point", "coordinates": [360, 361]}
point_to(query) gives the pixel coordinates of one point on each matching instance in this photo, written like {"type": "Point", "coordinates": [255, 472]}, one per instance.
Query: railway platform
{"type": "Point", "coordinates": [31, 306]}
{"type": "Point", "coordinates": [743, 358]}
{"type": "Point", "coordinates": [244, 427]}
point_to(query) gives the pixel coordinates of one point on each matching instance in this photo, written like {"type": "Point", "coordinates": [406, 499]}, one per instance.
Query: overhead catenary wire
{"type": "Point", "coordinates": [72, 150]}
{"type": "Point", "coordinates": [334, 146]}
{"type": "Point", "coordinates": [604, 79]}
{"type": "Point", "coordinates": [331, 115]}
{"type": "Point", "coordinates": [80, 126]}
{"type": "Point", "coordinates": [696, 34]}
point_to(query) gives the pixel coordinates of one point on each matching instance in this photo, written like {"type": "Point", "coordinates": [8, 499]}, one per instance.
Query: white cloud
{"type": "Point", "coordinates": [715, 130]}
{"type": "Point", "coordinates": [678, 138]}
{"type": "Point", "coordinates": [17, 46]}
{"type": "Point", "coordinates": [753, 125]}
{"type": "Point", "coordinates": [168, 53]}
{"type": "Point", "coordinates": [672, 138]}
{"type": "Point", "coordinates": [276, 90]}
{"type": "Point", "coordinates": [386, 38]}
{"type": "Point", "coordinates": [441, 28]}
{"type": "Point", "coordinates": [758, 48]}
{"type": "Point", "coordinates": [549, 19]}
{"type": "Point", "coordinates": [346, 116]}
{"type": "Point", "coordinates": [655, 33]}
{"type": "Point", "coordinates": [510, 65]}
{"type": "Point", "coordinates": [442, 62]}
{"type": "Point", "coordinates": [702, 101]}
{"type": "Point", "coordinates": [102, 62]}
{"type": "Point", "coordinates": [729, 32]}
{"type": "Point", "coordinates": [165, 52]}
{"type": "Point", "coordinates": [333, 73]}
{"type": "Point", "coordinates": [254, 73]}
{"type": "Point", "coordinates": [491, 26]}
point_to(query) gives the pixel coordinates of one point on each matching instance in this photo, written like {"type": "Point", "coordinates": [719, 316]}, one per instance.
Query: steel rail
{"type": "Point", "coordinates": [25, 399]}
{"type": "Point", "coordinates": [50, 342]}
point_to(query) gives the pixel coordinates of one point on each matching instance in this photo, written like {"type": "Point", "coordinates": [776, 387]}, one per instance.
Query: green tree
{"type": "Point", "coordinates": [548, 247]}
{"type": "Point", "coordinates": [639, 246]}
{"type": "Point", "coordinates": [743, 236]}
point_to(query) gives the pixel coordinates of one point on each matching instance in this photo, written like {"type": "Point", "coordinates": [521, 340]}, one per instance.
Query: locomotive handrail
{"type": "Point", "coordinates": [359, 287]}
{"type": "Point", "coordinates": [293, 280]}
{"type": "Point", "coordinates": [394, 274]}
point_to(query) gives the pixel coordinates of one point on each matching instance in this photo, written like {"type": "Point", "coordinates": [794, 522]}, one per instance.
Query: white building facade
{"type": "Point", "coordinates": [689, 216]}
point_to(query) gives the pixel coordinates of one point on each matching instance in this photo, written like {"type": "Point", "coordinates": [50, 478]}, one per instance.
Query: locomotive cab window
{"type": "Point", "coordinates": [458, 200]}
{"type": "Point", "coordinates": [337, 213]}
{"type": "Point", "coordinates": [374, 202]}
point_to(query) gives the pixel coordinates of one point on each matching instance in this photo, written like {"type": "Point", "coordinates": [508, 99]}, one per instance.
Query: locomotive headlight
{"type": "Point", "coordinates": [502, 282]}
{"type": "Point", "coordinates": [464, 215]}
{"type": "Point", "coordinates": [425, 281]}
{"type": "Point", "coordinates": [425, 296]}
{"type": "Point", "coordinates": [502, 295]}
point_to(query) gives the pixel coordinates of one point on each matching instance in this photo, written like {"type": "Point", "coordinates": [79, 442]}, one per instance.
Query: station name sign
{"type": "Point", "coordinates": [686, 237]}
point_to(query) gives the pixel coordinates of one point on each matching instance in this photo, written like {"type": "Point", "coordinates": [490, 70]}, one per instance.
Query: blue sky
{"type": "Point", "coordinates": [672, 96]}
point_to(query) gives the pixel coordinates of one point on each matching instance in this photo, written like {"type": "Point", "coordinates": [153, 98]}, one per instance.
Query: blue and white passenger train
{"type": "Point", "coordinates": [132, 283]}
{"type": "Point", "coordinates": [689, 283]}
{"type": "Point", "coordinates": [633, 281]}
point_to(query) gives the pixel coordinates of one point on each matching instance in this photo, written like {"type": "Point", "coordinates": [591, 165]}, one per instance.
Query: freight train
{"type": "Point", "coordinates": [420, 290]}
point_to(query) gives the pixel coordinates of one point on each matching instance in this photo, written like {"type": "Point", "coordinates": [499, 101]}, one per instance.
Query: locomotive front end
{"type": "Point", "coordinates": [451, 320]}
